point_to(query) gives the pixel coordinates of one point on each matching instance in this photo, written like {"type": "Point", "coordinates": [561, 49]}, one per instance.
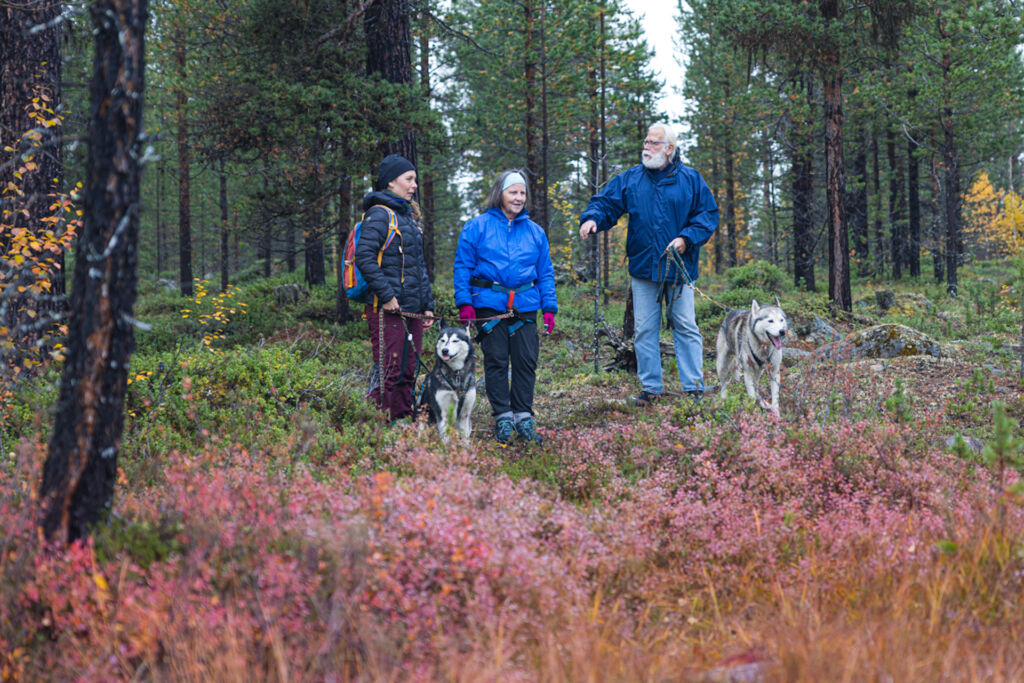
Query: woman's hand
{"type": "Point", "coordinates": [428, 321]}
{"type": "Point", "coordinates": [392, 306]}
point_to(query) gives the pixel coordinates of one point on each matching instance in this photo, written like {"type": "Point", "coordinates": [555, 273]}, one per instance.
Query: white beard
{"type": "Point", "coordinates": [655, 160]}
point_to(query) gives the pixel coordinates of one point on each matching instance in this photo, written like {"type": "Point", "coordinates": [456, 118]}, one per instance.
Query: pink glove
{"type": "Point", "coordinates": [467, 313]}
{"type": "Point", "coordinates": [549, 321]}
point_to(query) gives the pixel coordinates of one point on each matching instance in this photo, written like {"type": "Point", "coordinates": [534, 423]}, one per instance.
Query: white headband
{"type": "Point", "coordinates": [513, 178]}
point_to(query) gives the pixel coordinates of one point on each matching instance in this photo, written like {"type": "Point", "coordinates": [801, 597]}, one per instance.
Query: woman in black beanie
{"type": "Point", "coordinates": [389, 255]}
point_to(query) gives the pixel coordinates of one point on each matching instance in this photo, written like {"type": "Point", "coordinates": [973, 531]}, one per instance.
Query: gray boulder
{"type": "Point", "coordinates": [880, 341]}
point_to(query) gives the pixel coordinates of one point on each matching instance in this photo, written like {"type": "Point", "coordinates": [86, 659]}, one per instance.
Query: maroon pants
{"type": "Point", "coordinates": [393, 393]}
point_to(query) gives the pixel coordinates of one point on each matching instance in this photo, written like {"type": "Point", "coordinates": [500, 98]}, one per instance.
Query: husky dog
{"type": "Point", "coordinates": [451, 387]}
{"type": "Point", "coordinates": [748, 342]}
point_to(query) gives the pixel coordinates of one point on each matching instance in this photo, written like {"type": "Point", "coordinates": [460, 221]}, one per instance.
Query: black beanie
{"type": "Point", "coordinates": [393, 166]}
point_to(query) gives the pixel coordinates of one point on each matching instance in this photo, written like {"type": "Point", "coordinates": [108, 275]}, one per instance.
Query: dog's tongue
{"type": "Point", "coordinates": [777, 341]}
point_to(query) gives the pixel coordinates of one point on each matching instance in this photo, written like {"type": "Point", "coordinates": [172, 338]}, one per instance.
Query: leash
{"type": "Point", "coordinates": [676, 259]}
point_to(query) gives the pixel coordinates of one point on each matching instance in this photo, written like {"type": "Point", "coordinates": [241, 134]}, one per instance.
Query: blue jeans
{"type": "Point", "coordinates": [688, 343]}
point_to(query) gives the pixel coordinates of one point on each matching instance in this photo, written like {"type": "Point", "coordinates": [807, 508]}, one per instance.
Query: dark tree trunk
{"type": "Point", "coordinates": [951, 168]}
{"type": "Point", "coordinates": [290, 244]}
{"type": "Point", "coordinates": [314, 250]}
{"type": "Point", "coordinates": [225, 260]}
{"type": "Point", "coordinates": [717, 238]}
{"type": "Point", "coordinates": [81, 466]}
{"type": "Point", "coordinates": [935, 224]}
{"type": "Point", "coordinates": [161, 238]}
{"type": "Point", "coordinates": [30, 73]}
{"type": "Point", "coordinates": [342, 311]}
{"type": "Point", "coordinates": [532, 124]}
{"type": "Point", "coordinates": [184, 172]}
{"type": "Point", "coordinates": [913, 252]}
{"type": "Point", "coordinates": [606, 235]}
{"type": "Point", "coordinates": [897, 206]}
{"type": "Point", "coordinates": [266, 249]}
{"type": "Point", "coordinates": [386, 25]}
{"type": "Point", "coordinates": [730, 203]}
{"type": "Point", "coordinates": [835, 171]}
{"type": "Point", "coordinates": [426, 173]}
{"type": "Point", "coordinates": [771, 230]}
{"type": "Point", "coordinates": [858, 207]}
{"type": "Point", "coordinates": [879, 238]}
{"type": "Point", "coordinates": [803, 228]}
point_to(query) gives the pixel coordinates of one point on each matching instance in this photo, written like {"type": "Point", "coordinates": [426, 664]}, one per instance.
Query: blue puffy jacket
{"type": "Point", "coordinates": [511, 253]}
{"type": "Point", "coordinates": [662, 205]}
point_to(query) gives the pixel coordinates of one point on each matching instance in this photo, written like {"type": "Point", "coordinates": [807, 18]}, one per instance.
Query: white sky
{"type": "Point", "coordinates": [658, 17]}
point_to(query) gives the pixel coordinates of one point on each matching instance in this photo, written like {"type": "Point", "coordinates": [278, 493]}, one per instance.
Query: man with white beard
{"type": "Point", "coordinates": [670, 207]}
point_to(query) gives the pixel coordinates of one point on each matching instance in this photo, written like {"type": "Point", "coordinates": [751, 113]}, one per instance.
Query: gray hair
{"type": "Point", "coordinates": [493, 200]}
{"type": "Point", "coordinates": [668, 131]}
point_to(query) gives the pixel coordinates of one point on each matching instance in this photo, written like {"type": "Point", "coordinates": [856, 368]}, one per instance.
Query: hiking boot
{"type": "Point", "coordinates": [695, 395]}
{"type": "Point", "coordinates": [527, 429]}
{"type": "Point", "coordinates": [644, 399]}
{"type": "Point", "coordinates": [504, 430]}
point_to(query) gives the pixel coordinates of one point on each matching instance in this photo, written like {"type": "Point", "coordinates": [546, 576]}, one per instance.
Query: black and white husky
{"type": "Point", "coordinates": [450, 388]}
{"type": "Point", "coordinates": [748, 343]}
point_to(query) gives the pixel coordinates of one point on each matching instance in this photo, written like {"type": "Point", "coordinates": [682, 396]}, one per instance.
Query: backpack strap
{"type": "Point", "coordinates": [392, 231]}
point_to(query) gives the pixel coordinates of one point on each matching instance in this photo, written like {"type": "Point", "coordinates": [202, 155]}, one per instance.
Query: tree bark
{"type": "Point", "coordinates": [913, 252]}
{"type": "Point", "coordinates": [730, 202]}
{"type": "Point", "coordinates": [835, 169]}
{"type": "Point", "coordinates": [81, 466]}
{"type": "Point", "coordinates": [717, 238]}
{"type": "Point", "coordinates": [532, 124]}
{"type": "Point", "coordinates": [30, 68]}
{"type": "Point", "coordinates": [426, 172]}
{"type": "Point", "coordinates": [858, 213]}
{"type": "Point", "coordinates": [803, 229]}
{"type": "Point", "coordinates": [879, 238]}
{"type": "Point", "coordinates": [386, 26]}
{"type": "Point", "coordinates": [951, 171]}
{"type": "Point", "coordinates": [184, 173]}
{"type": "Point", "coordinates": [897, 206]}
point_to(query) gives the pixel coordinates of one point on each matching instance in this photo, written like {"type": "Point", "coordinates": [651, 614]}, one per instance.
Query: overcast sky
{"type": "Point", "coordinates": [658, 18]}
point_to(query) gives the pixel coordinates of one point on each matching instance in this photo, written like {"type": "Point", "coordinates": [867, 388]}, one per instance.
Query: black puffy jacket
{"type": "Point", "coordinates": [403, 271]}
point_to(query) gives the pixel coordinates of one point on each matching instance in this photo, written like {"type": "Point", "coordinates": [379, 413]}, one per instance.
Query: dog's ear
{"type": "Point", "coordinates": [777, 302]}
{"type": "Point", "coordinates": [754, 308]}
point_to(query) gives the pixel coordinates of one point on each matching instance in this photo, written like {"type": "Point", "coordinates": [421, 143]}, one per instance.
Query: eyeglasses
{"type": "Point", "coordinates": [654, 143]}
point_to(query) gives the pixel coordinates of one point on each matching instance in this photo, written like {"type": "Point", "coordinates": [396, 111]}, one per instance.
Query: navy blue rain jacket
{"type": "Point", "coordinates": [662, 205]}
{"type": "Point", "coordinates": [510, 252]}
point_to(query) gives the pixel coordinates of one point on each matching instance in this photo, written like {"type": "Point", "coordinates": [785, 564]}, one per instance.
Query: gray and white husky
{"type": "Point", "coordinates": [750, 342]}
{"type": "Point", "coordinates": [450, 388]}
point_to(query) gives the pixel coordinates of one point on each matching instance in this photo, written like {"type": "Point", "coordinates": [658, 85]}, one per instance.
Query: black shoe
{"type": "Point", "coordinates": [695, 395]}
{"type": "Point", "coordinates": [644, 399]}
{"type": "Point", "coordinates": [527, 429]}
{"type": "Point", "coordinates": [504, 430]}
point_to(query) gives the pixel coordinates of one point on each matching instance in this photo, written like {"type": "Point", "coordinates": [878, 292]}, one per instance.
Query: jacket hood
{"type": "Point", "coordinates": [393, 202]}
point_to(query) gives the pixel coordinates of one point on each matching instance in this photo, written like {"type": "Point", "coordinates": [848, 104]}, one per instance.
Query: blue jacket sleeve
{"type": "Point", "coordinates": [465, 263]}
{"type": "Point", "coordinates": [703, 216]}
{"type": "Point", "coordinates": [607, 206]}
{"type": "Point", "coordinates": [546, 275]}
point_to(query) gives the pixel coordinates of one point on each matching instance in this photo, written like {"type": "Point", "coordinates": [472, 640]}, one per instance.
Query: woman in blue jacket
{"type": "Point", "coordinates": [502, 264]}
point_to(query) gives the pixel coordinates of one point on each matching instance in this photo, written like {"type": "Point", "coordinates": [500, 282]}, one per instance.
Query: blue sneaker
{"type": "Point", "coordinates": [527, 429]}
{"type": "Point", "coordinates": [504, 430]}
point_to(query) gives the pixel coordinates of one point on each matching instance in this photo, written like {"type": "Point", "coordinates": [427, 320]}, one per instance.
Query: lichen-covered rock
{"type": "Point", "coordinates": [881, 341]}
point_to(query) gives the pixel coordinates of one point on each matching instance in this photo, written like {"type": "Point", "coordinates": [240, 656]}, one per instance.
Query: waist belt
{"type": "Point", "coordinates": [515, 322]}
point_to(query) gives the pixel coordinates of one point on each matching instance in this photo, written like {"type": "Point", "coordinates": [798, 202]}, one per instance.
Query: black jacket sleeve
{"type": "Point", "coordinates": [371, 239]}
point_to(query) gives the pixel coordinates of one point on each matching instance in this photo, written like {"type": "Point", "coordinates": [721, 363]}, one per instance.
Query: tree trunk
{"type": "Point", "coordinates": [290, 244]}
{"type": "Point", "coordinates": [225, 258]}
{"type": "Point", "coordinates": [879, 239]}
{"type": "Point", "coordinates": [342, 311]}
{"type": "Point", "coordinates": [835, 171]}
{"type": "Point", "coordinates": [313, 236]}
{"type": "Point", "coordinates": [897, 206]}
{"type": "Point", "coordinates": [81, 466]}
{"type": "Point", "coordinates": [30, 75]}
{"type": "Point", "coordinates": [858, 205]}
{"type": "Point", "coordinates": [717, 238]}
{"type": "Point", "coordinates": [184, 171]}
{"type": "Point", "coordinates": [532, 124]}
{"type": "Point", "coordinates": [951, 170]}
{"type": "Point", "coordinates": [730, 202]}
{"type": "Point", "coordinates": [913, 252]}
{"type": "Point", "coordinates": [386, 25]}
{"type": "Point", "coordinates": [426, 173]}
{"type": "Point", "coordinates": [935, 224]}
{"type": "Point", "coordinates": [771, 230]}
{"type": "Point", "coordinates": [803, 228]}
{"type": "Point", "coordinates": [606, 235]}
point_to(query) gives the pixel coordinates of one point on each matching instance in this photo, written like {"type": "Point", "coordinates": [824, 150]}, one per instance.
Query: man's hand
{"type": "Point", "coordinates": [588, 228]}
{"type": "Point", "coordinates": [679, 244]}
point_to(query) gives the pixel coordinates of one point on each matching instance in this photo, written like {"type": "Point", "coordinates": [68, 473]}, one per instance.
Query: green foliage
{"type": "Point", "coordinates": [899, 403]}
{"type": "Point", "coordinates": [757, 275]}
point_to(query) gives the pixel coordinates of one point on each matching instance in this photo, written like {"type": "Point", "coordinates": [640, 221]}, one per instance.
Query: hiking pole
{"type": "Point", "coordinates": [595, 252]}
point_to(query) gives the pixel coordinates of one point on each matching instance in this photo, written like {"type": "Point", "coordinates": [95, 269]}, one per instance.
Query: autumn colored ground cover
{"type": "Point", "coordinates": [268, 527]}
